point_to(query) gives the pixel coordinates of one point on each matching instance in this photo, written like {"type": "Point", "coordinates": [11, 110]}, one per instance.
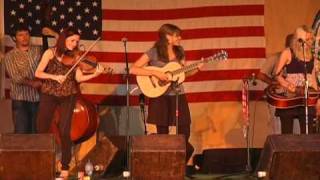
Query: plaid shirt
{"type": "Point", "coordinates": [21, 65]}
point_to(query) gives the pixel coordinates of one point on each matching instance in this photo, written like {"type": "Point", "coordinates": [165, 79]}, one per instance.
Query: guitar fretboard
{"type": "Point", "coordinates": [187, 68]}
{"type": "Point", "coordinates": [222, 55]}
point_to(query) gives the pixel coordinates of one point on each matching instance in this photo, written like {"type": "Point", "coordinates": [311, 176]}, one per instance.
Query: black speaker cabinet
{"type": "Point", "coordinates": [27, 156]}
{"type": "Point", "coordinates": [158, 157]}
{"type": "Point", "coordinates": [294, 157]}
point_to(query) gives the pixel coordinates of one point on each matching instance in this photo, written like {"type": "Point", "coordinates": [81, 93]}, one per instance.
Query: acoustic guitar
{"type": "Point", "coordinates": [153, 87]}
{"type": "Point", "coordinates": [280, 98]}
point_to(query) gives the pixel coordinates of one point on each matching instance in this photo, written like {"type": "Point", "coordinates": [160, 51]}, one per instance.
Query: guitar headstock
{"type": "Point", "coordinates": [219, 56]}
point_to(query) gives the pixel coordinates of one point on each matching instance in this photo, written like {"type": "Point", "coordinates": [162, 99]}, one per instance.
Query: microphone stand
{"type": "Point", "coordinates": [175, 87]}
{"type": "Point", "coordinates": [126, 172]}
{"type": "Point", "coordinates": [142, 110]}
{"type": "Point", "coordinates": [306, 92]}
{"type": "Point", "coordinates": [246, 129]}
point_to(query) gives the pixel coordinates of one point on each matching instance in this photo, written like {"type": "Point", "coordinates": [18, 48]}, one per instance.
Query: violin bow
{"type": "Point", "coordinates": [82, 56]}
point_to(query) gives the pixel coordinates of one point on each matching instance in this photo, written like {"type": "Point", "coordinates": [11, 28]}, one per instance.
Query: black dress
{"type": "Point", "coordinates": [295, 74]}
{"type": "Point", "coordinates": [162, 110]}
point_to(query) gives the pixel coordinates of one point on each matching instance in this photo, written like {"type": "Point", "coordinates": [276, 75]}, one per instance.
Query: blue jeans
{"type": "Point", "coordinates": [24, 116]}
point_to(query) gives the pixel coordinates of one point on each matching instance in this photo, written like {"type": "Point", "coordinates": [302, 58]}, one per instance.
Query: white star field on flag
{"type": "Point", "coordinates": [84, 15]}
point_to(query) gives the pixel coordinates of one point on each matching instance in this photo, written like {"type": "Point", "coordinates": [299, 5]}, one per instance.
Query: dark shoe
{"type": "Point", "coordinates": [190, 171]}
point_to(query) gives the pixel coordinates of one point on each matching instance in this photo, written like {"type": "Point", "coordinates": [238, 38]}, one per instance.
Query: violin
{"type": "Point", "coordinates": [87, 64]}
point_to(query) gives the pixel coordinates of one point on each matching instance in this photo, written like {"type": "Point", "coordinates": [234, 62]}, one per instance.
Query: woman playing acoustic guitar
{"type": "Point", "coordinates": [162, 109]}
{"type": "Point", "coordinates": [60, 89]}
{"type": "Point", "coordinates": [292, 59]}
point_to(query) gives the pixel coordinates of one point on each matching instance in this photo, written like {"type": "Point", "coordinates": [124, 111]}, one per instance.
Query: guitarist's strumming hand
{"type": "Point", "coordinates": [298, 90]}
{"type": "Point", "coordinates": [291, 88]}
{"type": "Point", "coordinates": [160, 75]}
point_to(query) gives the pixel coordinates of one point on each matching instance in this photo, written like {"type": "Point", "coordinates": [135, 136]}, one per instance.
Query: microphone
{"type": "Point", "coordinates": [124, 39]}
{"type": "Point", "coordinates": [253, 79]}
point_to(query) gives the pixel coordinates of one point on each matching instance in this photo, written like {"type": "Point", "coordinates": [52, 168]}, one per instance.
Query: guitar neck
{"type": "Point", "coordinates": [187, 68]}
{"type": "Point", "coordinates": [222, 55]}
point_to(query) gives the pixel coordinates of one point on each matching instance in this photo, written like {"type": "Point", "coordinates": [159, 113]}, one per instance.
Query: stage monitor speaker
{"type": "Point", "coordinates": [158, 157]}
{"type": "Point", "coordinates": [27, 156]}
{"type": "Point", "coordinates": [294, 157]}
{"type": "Point", "coordinates": [100, 155]}
{"type": "Point", "coordinates": [118, 162]}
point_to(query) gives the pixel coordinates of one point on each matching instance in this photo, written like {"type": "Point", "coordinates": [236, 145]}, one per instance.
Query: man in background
{"type": "Point", "coordinates": [20, 64]}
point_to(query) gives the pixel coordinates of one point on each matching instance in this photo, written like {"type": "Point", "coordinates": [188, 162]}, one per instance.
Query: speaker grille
{"type": "Point", "coordinates": [291, 157]}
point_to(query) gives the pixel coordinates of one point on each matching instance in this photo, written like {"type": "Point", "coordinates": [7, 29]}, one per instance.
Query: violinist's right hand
{"type": "Point", "coordinates": [59, 78]}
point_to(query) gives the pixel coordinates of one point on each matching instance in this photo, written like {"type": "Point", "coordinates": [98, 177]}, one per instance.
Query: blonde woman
{"type": "Point", "coordinates": [293, 59]}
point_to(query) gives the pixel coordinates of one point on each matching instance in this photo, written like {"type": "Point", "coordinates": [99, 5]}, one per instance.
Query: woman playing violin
{"type": "Point", "coordinates": [59, 89]}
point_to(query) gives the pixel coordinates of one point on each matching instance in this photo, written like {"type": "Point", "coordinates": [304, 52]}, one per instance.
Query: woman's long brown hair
{"type": "Point", "coordinates": [162, 44]}
{"type": "Point", "coordinates": [61, 42]}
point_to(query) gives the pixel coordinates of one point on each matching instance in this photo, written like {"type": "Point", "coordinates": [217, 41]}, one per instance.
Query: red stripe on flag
{"type": "Point", "coordinates": [165, 14]}
{"type": "Point", "coordinates": [192, 98]}
{"type": "Point", "coordinates": [192, 54]}
{"type": "Point", "coordinates": [187, 33]}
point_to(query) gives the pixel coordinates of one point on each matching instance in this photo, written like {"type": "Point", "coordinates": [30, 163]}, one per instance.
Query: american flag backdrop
{"type": "Point", "coordinates": [236, 26]}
